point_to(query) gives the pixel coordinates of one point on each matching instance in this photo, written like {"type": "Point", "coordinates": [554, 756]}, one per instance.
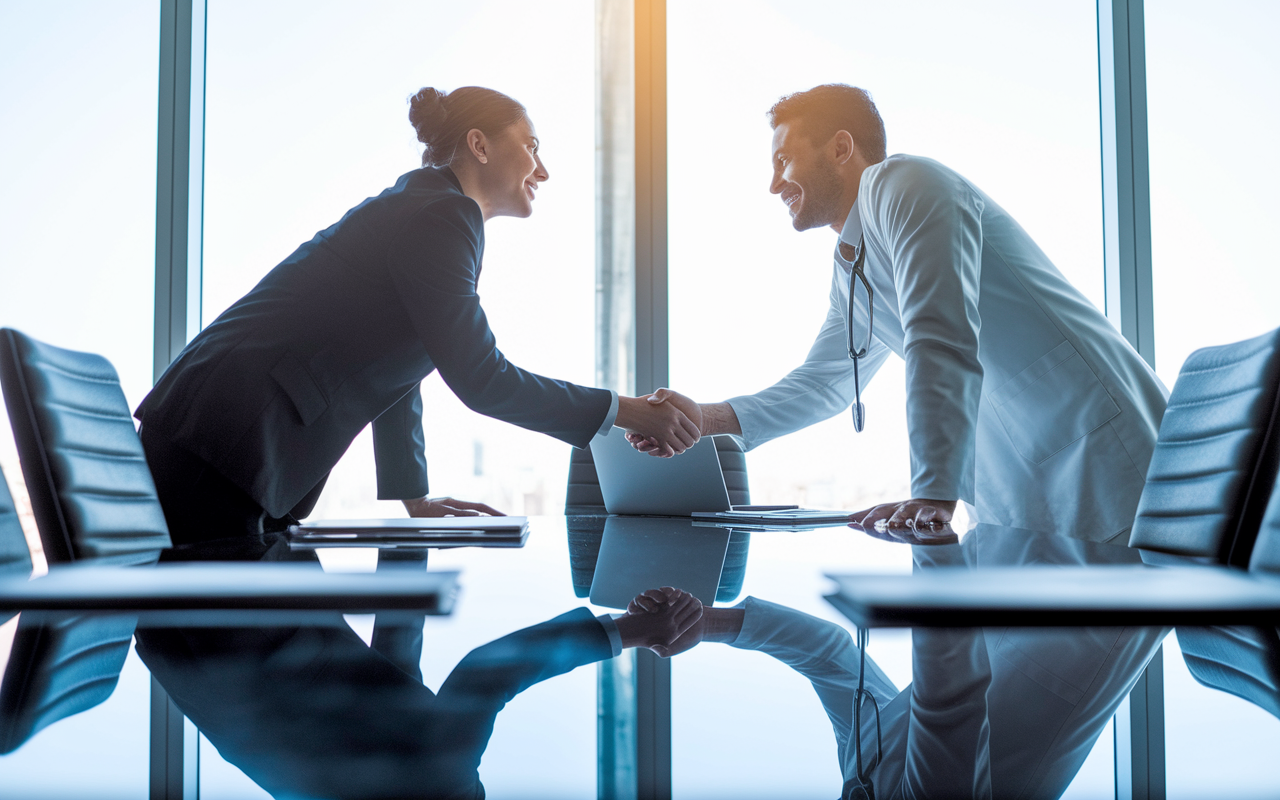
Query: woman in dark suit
{"type": "Point", "coordinates": [243, 428]}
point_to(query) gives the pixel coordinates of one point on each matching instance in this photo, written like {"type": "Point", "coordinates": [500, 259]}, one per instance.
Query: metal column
{"type": "Point", "coordinates": [179, 243]}
{"type": "Point", "coordinates": [634, 690]}
{"type": "Point", "coordinates": [652, 362]}
{"type": "Point", "coordinates": [1126, 213]}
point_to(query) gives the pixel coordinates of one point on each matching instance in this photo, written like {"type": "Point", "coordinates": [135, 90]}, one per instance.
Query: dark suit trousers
{"type": "Point", "coordinates": [200, 505]}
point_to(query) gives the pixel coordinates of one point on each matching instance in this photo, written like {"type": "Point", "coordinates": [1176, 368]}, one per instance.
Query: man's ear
{"type": "Point", "coordinates": [478, 145]}
{"type": "Point", "coordinates": [842, 147]}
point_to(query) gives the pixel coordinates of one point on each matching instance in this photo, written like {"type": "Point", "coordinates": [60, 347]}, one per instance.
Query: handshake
{"type": "Point", "coordinates": [667, 423]}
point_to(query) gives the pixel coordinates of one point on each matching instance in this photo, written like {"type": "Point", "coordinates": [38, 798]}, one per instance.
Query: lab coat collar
{"type": "Point", "coordinates": [850, 234]}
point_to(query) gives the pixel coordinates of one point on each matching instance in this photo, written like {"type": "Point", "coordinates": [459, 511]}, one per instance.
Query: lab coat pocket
{"type": "Point", "coordinates": [1052, 403]}
{"type": "Point", "coordinates": [308, 399]}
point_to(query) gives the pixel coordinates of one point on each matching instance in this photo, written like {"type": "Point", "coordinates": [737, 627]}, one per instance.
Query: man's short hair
{"type": "Point", "coordinates": [835, 107]}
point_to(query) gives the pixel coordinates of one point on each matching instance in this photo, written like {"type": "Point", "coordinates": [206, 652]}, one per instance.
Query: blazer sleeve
{"type": "Point", "coordinates": [434, 262]}
{"type": "Point", "coordinates": [399, 449]}
{"type": "Point", "coordinates": [929, 223]}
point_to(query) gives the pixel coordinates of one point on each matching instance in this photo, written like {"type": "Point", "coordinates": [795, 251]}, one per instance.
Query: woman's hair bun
{"type": "Point", "coordinates": [427, 114]}
{"type": "Point", "coordinates": [442, 121]}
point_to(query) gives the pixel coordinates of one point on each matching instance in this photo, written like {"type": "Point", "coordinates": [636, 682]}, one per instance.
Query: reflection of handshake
{"type": "Point", "coordinates": [664, 620]}
{"type": "Point", "coordinates": [667, 423]}
{"type": "Point", "coordinates": [669, 621]}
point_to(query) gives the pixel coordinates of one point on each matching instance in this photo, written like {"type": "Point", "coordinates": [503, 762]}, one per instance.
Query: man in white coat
{"type": "Point", "coordinates": [1022, 399]}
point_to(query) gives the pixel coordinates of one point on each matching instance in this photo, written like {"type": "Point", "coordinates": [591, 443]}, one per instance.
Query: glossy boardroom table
{"type": "Point", "coordinates": [306, 703]}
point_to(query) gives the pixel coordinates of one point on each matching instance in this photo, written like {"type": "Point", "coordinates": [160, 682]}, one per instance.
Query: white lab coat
{"type": "Point", "coordinates": [1022, 398]}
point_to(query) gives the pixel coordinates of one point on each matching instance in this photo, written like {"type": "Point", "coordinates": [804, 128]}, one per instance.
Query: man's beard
{"type": "Point", "coordinates": [821, 200]}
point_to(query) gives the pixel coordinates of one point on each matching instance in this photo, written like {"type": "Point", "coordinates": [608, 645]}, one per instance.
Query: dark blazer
{"type": "Point", "coordinates": [341, 334]}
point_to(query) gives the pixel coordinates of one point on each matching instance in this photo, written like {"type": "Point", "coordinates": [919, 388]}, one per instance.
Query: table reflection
{"type": "Point", "coordinates": [312, 710]}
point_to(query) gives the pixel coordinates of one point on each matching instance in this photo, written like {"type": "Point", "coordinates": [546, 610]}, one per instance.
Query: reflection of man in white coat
{"type": "Point", "coordinates": [1022, 398]}
{"type": "Point", "coordinates": [990, 712]}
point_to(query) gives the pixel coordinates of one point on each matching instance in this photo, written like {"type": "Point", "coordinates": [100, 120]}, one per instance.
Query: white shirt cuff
{"type": "Point", "coordinates": [611, 630]}
{"type": "Point", "coordinates": [610, 417]}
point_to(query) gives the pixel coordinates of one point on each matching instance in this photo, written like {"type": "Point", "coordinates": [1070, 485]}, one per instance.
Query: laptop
{"type": "Point", "coordinates": [637, 483]}
{"type": "Point", "coordinates": [642, 553]}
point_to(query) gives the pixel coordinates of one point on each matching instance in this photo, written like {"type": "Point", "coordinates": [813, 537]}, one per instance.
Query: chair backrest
{"type": "Point", "coordinates": [15, 556]}
{"type": "Point", "coordinates": [1216, 455]}
{"type": "Point", "coordinates": [583, 496]}
{"type": "Point", "coordinates": [91, 491]}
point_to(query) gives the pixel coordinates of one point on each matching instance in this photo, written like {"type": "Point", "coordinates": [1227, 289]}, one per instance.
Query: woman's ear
{"type": "Point", "coordinates": [478, 145]}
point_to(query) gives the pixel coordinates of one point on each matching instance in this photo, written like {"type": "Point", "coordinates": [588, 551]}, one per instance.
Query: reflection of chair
{"type": "Point", "coordinates": [1207, 488]}
{"type": "Point", "coordinates": [1238, 659]}
{"type": "Point", "coordinates": [584, 505]}
{"type": "Point", "coordinates": [90, 488]}
{"type": "Point", "coordinates": [56, 668]}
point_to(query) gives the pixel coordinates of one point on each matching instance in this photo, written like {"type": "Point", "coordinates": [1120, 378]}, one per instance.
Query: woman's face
{"type": "Point", "coordinates": [514, 171]}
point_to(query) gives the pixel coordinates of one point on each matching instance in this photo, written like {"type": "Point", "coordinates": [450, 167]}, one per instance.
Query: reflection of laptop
{"type": "Point", "coordinates": [635, 483]}
{"type": "Point", "coordinates": [639, 553]}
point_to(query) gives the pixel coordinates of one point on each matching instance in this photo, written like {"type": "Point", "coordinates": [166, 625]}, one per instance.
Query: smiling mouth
{"type": "Point", "coordinates": [790, 198]}
{"type": "Point", "coordinates": [530, 188]}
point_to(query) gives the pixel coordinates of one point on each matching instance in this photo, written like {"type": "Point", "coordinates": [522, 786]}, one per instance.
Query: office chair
{"type": "Point", "coordinates": [15, 557]}
{"type": "Point", "coordinates": [1216, 455]}
{"type": "Point", "coordinates": [91, 491]}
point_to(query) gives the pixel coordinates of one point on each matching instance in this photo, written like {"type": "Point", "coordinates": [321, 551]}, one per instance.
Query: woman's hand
{"type": "Point", "coordinates": [447, 507]}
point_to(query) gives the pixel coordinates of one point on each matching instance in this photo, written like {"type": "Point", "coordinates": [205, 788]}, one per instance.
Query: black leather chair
{"type": "Point", "coordinates": [15, 556]}
{"type": "Point", "coordinates": [91, 491]}
{"type": "Point", "coordinates": [1216, 455]}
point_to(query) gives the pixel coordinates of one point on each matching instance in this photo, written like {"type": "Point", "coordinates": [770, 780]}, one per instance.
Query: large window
{"type": "Point", "coordinates": [1006, 93]}
{"type": "Point", "coordinates": [1212, 73]}
{"type": "Point", "coordinates": [77, 249]}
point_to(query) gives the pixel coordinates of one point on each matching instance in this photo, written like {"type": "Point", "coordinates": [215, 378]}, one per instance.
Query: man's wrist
{"type": "Point", "coordinates": [722, 624]}
{"type": "Point", "coordinates": [719, 418]}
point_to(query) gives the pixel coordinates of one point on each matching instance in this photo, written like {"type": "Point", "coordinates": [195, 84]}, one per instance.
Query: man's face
{"type": "Point", "coordinates": [805, 176]}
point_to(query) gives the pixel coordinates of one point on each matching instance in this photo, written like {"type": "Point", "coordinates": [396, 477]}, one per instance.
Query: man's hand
{"type": "Point", "coordinates": [447, 507]}
{"type": "Point", "coordinates": [664, 619]}
{"type": "Point", "coordinates": [915, 513]}
{"type": "Point", "coordinates": [666, 424]}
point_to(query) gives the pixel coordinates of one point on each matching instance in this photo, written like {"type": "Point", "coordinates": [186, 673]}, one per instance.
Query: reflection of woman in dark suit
{"type": "Point", "coordinates": [244, 427]}
{"type": "Point", "coordinates": [312, 712]}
